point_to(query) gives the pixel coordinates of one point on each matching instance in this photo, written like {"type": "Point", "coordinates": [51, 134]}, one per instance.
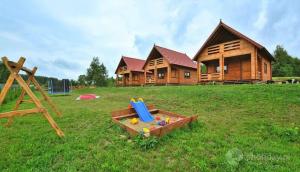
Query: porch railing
{"type": "Point", "coordinates": [150, 80]}
{"type": "Point", "coordinates": [210, 76]}
{"type": "Point", "coordinates": [227, 46]}
{"type": "Point", "coordinates": [156, 62]}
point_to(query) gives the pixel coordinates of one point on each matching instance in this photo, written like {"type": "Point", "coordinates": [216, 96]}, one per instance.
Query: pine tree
{"type": "Point", "coordinates": [96, 73]}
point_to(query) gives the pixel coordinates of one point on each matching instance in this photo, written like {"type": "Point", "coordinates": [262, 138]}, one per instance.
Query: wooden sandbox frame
{"type": "Point", "coordinates": [130, 112]}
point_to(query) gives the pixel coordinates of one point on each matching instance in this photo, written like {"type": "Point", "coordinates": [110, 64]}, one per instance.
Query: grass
{"type": "Point", "coordinates": [260, 121]}
{"type": "Point", "coordinates": [12, 94]}
{"type": "Point", "coordinates": [284, 78]}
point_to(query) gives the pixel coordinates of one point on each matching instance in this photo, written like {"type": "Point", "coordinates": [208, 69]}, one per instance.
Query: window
{"type": "Point", "coordinates": [187, 75]}
{"type": "Point", "coordinates": [161, 75]}
{"type": "Point", "coordinates": [218, 69]}
{"type": "Point", "coordinates": [225, 69]}
{"type": "Point", "coordinates": [265, 68]}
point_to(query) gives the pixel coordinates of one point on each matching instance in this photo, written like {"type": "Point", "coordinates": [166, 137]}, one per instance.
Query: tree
{"type": "Point", "coordinates": [285, 65]}
{"type": "Point", "coordinates": [3, 73]}
{"type": "Point", "coordinates": [96, 73]}
{"type": "Point", "coordinates": [82, 80]}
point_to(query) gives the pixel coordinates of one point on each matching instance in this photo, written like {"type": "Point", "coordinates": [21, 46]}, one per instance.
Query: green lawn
{"type": "Point", "coordinates": [258, 122]}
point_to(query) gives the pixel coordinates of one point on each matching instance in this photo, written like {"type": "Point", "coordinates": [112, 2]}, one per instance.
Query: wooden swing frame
{"type": "Point", "coordinates": [14, 69]}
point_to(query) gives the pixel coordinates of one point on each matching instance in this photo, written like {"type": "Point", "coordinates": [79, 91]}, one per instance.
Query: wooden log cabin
{"type": "Point", "coordinates": [229, 56]}
{"type": "Point", "coordinates": [164, 66]}
{"type": "Point", "coordinates": [130, 72]}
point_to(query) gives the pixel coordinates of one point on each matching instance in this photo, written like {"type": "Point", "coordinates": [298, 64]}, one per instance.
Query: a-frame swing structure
{"type": "Point", "coordinates": [14, 69]}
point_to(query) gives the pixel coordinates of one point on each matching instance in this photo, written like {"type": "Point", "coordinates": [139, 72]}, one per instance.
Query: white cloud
{"type": "Point", "coordinates": [76, 31]}
{"type": "Point", "coordinates": [262, 16]}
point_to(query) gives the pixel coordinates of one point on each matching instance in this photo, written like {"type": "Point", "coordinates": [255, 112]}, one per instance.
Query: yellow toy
{"type": "Point", "coordinates": [134, 121]}
{"type": "Point", "coordinates": [167, 120]}
{"type": "Point", "coordinates": [146, 130]}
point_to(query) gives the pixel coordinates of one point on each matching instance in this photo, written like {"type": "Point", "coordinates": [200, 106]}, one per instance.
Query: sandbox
{"type": "Point", "coordinates": [123, 117]}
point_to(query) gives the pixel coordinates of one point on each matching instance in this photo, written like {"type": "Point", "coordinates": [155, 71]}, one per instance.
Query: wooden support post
{"type": "Point", "coordinates": [270, 72]}
{"type": "Point", "coordinates": [130, 78]}
{"type": "Point", "coordinates": [14, 69]}
{"type": "Point", "coordinates": [155, 75]}
{"type": "Point", "coordinates": [11, 78]}
{"type": "Point", "coordinates": [168, 74]}
{"type": "Point", "coordinates": [117, 80]}
{"type": "Point", "coordinates": [253, 64]}
{"type": "Point", "coordinates": [46, 97]}
{"type": "Point", "coordinates": [6, 87]}
{"type": "Point", "coordinates": [145, 77]}
{"type": "Point", "coordinates": [221, 66]}
{"type": "Point", "coordinates": [20, 99]}
{"type": "Point", "coordinates": [199, 72]}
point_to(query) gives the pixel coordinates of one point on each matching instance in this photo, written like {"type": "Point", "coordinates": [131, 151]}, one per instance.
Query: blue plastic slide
{"type": "Point", "coordinates": [142, 110]}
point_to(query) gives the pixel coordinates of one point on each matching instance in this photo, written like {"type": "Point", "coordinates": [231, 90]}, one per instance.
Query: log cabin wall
{"type": "Point", "coordinates": [238, 68]}
{"type": "Point", "coordinates": [184, 79]}
{"type": "Point", "coordinates": [266, 69]}
{"type": "Point", "coordinates": [176, 73]}
{"type": "Point", "coordinates": [130, 78]}
{"type": "Point", "coordinates": [236, 56]}
{"type": "Point", "coordinates": [137, 78]}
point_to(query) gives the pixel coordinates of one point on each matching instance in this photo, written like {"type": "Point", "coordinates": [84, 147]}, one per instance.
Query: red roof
{"type": "Point", "coordinates": [175, 57]}
{"type": "Point", "coordinates": [236, 33]}
{"type": "Point", "coordinates": [133, 64]}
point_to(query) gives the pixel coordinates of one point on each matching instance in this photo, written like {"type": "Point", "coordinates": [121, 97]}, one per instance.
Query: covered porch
{"type": "Point", "coordinates": [232, 68]}
{"type": "Point", "coordinates": [129, 79]}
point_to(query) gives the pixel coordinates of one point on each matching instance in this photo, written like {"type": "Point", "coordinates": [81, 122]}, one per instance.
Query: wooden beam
{"type": "Point", "coordinates": [46, 97]}
{"type": "Point", "coordinates": [199, 72]}
{"type": "Point", "coordinates": [19, 113]}
{"type": "Point", "coordinates": [221, 66]}
{"type": "Point", "coordinates": [168, 74]}
{"type": "Point", "coordinates": [14, 69]}
{"type": "Point", "coordinates": [130, 78]}
{"type": "Point", "coordinates": [20, 99]}
{"type": "Point", "coordinates": [155, 75]}
{"type": "Point", "coordinates": [253, 63]}
{"type": "Point", "coordinates": [53, 124]}
{"type": "Point", "coordinates": [6, 88]}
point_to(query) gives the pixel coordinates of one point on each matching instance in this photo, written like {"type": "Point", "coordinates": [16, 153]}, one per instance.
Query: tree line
{"type": "Point", "coordinates": [96, 75]}
{"type": "Point", "coordinates": [285, 65]}
{"type": "Point", "coordinates": [4, 73]}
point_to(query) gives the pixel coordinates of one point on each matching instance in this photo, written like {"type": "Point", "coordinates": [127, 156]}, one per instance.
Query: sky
{"type": "Point", "coordinates": [62, 37]}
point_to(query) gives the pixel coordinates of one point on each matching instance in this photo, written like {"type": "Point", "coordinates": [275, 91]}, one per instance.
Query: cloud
{"type": "Point", "coordinates": [62, 37]}
{"type": "Point", "coordinates": [262, 17]}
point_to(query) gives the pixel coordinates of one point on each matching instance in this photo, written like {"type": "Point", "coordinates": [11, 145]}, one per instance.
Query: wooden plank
{"type": "Point", "coordinates": [53, 124]}
{"type": "Point", "coordinates": [6, 88]}
{"type": "Point", "coordinates": [19, 113]}
{"type": "Point", "coordinates": [46, 97]}
{"type": "Point", "coordinates": [14, 69]}
{"type": "Point", "coordinates": [21, 97]}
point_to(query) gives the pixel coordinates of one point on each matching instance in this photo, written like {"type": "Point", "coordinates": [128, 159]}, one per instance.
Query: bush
{"type": "Point", "coordinates": [146, 143]}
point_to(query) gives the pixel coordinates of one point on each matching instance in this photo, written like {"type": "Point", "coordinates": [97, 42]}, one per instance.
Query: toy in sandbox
{"type": "Point", "coordinates": [139, 118]}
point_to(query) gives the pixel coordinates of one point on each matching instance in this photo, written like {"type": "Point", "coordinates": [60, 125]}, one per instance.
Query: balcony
{"type": "Point", "coordinates": [156, 62]}
{"type": "Point", "coordinates": [224, 47]}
